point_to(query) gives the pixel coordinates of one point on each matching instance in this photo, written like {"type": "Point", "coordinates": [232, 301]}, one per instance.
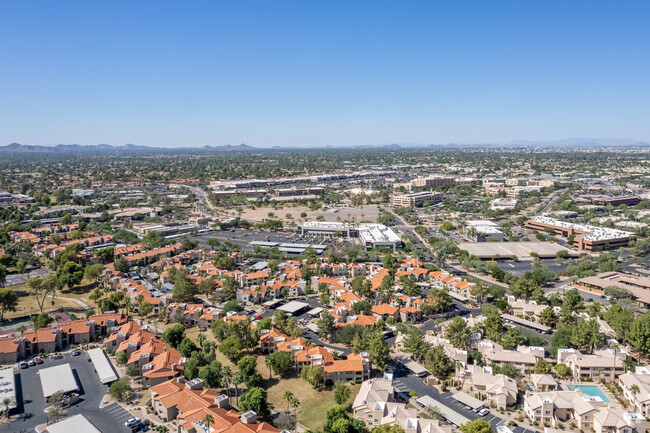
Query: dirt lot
{"type": "Point", "coordinates": [357, 213]}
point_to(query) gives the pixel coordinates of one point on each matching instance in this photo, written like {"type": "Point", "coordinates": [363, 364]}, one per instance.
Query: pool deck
{"type": "Point", "coordinates": [613, 401]}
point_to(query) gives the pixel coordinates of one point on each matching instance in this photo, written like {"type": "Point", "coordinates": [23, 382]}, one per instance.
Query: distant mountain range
{"type": "Point", "coordinates": [78, 148]}
{"type": "Point", "coordinates": [63, 148]}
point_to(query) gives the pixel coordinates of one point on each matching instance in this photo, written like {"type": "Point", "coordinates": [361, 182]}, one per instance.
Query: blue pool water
{"type": "Point", "coordinates": [591, 390]}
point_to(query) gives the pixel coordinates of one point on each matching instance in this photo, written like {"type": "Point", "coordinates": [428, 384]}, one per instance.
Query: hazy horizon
{"type": "Point", "coordinates": [296, 74]}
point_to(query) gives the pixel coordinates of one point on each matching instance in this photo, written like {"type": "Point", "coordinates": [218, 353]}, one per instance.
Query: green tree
{"type": "Point", "coordinates": [379, 352]}
{"type": "Point", "coordinates": [120, 357]}
{"type": "Point", "coordinates": [512, 338]}
{"type": "Point", "coordinates": [639, 334]}
{"type": "Point", "coordinates": [8, 301]}
{"type": "Point", "coordinates": [619, 319]}
{"type": "Point", "coordinates": [174, 335]}
{"type": "Point", "coordinates": [120, 390]}
{"type": "Point", "coordinates": [247, 367]}
{"type": "Point", "coordinates": [458, 333]}
{"type": "Point", "coordinates": [561, 339]}
{"type": "Point", "coordinates": [562, 370]}
{"type": "Point", "coordinates": [42, 320]}
{"type": "Point", "coordinates": [476, 426]}
{"type": "Point", "coordinates": [587, 335]}
{"type": "Point", "coordinates": [338, 421]}
{"type": "Point", "coordinates": [414, 343]}
{"type": "Point", "coordinates": [326, 325]}
{"type": "Point", "coordinates": [94, 272]}
{"type": "Point", "coordinates": [256, 399]}
{"type": "Point", "coordinates": [438, 363]}
{"type": "Point", "coordinates": [192, 368]}
{"type": "Point", "coordinates": [388, 428]}
{"type": "Point", "coordinates": [281, 363]}
{"type": "Point", "coordinates": [122, 265]}
{"type": "Point", "coordinates": [184, 291]}
{"type": "Point", "coordinates": [548, 317]}
{"type": "Point", "coordinates": [69, 274]}
{"type": "Point", "coordinates": [312, 375]}
{"type": "Point", "coordinates": [543, 367]}
{"type": "Point", "coordinates": [493, 326]}
{"type": "Point", "coordinates": [341, 392]}
{"type": "Point", "coordinates": [186, 347]}
{"type": "Point", "coordinates": [231, 347]}
{"type": "Point", "coordinates": [145, 308]}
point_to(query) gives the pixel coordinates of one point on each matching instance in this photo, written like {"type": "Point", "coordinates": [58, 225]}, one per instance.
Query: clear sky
{"type": "Point", "coordinates": [315, 73]}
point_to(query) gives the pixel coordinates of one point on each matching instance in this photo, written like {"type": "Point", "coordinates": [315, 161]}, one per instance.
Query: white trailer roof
{"type": "Point", "coordinates": [102, 365]}
{"type": "Point", "coordinates": [74, 424]}
{"type": "Point", "coordinates": [468, 400]}
{"type": "Point", "coordinates": [450, 415]}
{"type": "Point", "coordinates": [59, 378]}
{"type": "Point", "coordinates": [8, 386]}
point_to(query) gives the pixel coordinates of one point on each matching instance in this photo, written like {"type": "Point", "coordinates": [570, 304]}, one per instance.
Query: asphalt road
{"type": "Point", "coordinates": [404, 381]}
{"type": "Point", "coordinates": [31, 403]}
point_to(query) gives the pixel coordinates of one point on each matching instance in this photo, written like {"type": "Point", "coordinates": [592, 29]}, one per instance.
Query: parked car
{"type": "Point", "coordinates": [23, 364]}
{"type": "Point", "coordinates": [75, 353]}
{"type": "Point", "coordinates": [31, 363]}
{"type": "Point", "coordinates": [484, 411]}
{"type": "Point", "coordinates": [258, 317]}
{"type": "Point", "coordinates": [38, 360]}
{"type": "Point", "coordinates": [131, 422]}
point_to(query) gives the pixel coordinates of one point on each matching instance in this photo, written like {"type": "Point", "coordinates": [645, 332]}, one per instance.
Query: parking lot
{"type": "Point", "coordinates": [519, 268]}
{"type": "Point", "coordinates": [31, 404]}
{"type": "Point", "coordinates": [242, 238]}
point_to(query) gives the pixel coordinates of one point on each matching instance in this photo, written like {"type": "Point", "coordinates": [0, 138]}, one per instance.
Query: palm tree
{"type": "Point", "coordinates": [201, 338]}
{"type": "Point", "coordinates": [236, 380]}
{"type": "Point", "coordinates": [288, 396]}
{"type": "Point", "coordinates": [295, 402]}
{"type": "Point", "coordinates": [634, 389]}
{"type": "Point", "coordinates": [615, 348]}
{"type": "Point", "coordinates": [207, 419]}
{"type": "Point", "coordinates": [267, 361]}
{"type": "Point", "coordinates": [227, 378]}
{"type": "Point", "coordinates": [5, 404]}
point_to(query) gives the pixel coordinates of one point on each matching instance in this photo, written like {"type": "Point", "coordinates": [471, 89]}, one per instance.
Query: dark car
{"type": "Point", "coordinates": [75, 353]}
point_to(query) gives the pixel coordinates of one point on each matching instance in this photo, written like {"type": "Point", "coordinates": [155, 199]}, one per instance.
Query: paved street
{"type": "Point", "coordinates": [31, 404]}
{"type": "Point", "coordinates": [405, 382]}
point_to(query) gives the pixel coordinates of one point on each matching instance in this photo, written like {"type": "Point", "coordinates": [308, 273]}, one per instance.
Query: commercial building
{"type": "Point", "coordinates": [370, 235]}
{"type": "Point", "coordinates": [522, 250]}
{"type": "Point", "coordinates": [503, 203]}
{"type": "Point", "coordinates": [606, 200]}
{"type": "Point", "coordinates": [586, 237]}
{"type": "Point", "coordinates": [58, 378]}
{"type": "Point", "coordinates": [481, 231]}
{"type": "Point", "coordinates": [74, 424]}
{"type": "Point", "coordinates": [431, 181]}
{"type": "Point", "coordinates": [415, 198]}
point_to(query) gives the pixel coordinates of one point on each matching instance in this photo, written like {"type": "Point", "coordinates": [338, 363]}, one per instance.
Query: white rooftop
{"type": "Point", "coordinates": [74, 424]}
{"type": "Point", "coordinates": [102, 365]}
{"type": "Point", "coordinates": [593, 233]}
{"type": "Point", "coordinates": [59, 378]}
{"type": "Point", "coordinates": [8, 386]}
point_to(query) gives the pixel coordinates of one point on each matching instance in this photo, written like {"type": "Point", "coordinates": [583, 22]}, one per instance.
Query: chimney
{"type": "Point", "coordinates": [221, 401]}
{"type": "Point", "coordinates": [174, 366]}
{"type": "Point", "coordinates": [165, 348]}
{"type": "Point", "coordinates": [151, 339]}
{"type": "Point", "coordinates": [249, 417]}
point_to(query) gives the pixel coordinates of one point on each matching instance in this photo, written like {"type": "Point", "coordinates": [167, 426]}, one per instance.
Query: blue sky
{"type": "Point", "coordinates": [308, 73]}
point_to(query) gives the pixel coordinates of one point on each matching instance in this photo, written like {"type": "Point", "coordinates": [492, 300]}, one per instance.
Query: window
{"type": "Point", "coordinates": [538, 411]}
{"type": "Point", "coordinates": [548, 412]}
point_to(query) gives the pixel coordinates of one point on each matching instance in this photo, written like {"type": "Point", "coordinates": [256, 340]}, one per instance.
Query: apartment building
{"type": "Point", "coordinates": [498, 390]}
{"type": "Point", "coordinates": [355, 366]}
{"type": "Point", "coordinates": [602, 364]}
{"type": "Point", "coordinates": [636, 389]}
{"type": "Point", "coordinates": [523, 358]}
{"type": "Point", "coordinates": [189, 402]}
{"type": "Point", "coordinates": [375, 405]}
{"type": "Point", "coordinates": [637, 285]}
{"type": "Point", "coordinates": [544, 382]}
{"type": "Point", "coordinates": [587, 412]}
{"type": "Point", "coordinates": [529, 310]}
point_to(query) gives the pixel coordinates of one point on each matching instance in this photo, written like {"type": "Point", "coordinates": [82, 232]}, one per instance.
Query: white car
{"type": "Point", "coordinates": [130, 422]}
{"type": "Point", "coordinates": [484, 411]}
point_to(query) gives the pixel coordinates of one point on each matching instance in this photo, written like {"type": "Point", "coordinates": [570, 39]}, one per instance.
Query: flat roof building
{"type": "Point", "coordinates": [58, 378]}
{"type": "Point", "coordinates": [74, 424]}
{"type": "Point", "coordinates": [8, 387]}
{"type": "Point", "coordinates": [370, 235]}
{"type": "Point", "coordinates": [587, 237]}
{"type": "Point", "coordinates": [102, 365]}
{"type": "Point", "coordinates": [293, 307]}
{"type": "Point", "coordinates": [417, 197]}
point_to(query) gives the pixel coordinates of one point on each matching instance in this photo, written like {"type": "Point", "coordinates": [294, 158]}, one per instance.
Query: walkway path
{"type": "Point", "coordinates": [81, 303]}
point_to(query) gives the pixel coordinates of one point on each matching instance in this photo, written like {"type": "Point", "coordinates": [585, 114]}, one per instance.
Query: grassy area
{"type": "Point", "coordinates": [27, 304]}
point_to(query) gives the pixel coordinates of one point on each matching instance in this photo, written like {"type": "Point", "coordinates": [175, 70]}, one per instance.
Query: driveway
{"type": "Point", "coordinates": [31, 404]}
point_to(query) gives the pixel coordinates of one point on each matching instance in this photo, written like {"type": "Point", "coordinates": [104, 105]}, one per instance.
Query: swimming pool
{"type": "Point", "coordinates": [591, 390]}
